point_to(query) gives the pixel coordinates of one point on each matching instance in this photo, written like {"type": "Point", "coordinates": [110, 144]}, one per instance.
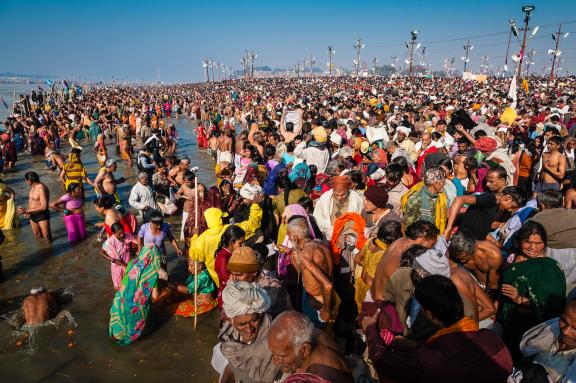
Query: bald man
{"type": "Point", "coordinates": [313, 260]}
{"type": "Point", "coordinates": [298, 347]}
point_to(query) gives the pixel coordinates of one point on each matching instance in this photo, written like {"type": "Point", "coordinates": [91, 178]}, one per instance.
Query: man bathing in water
{"type": "Point", "coordinates": [105, 182]}
{"type": "Point", "coordinates": [37, 211]}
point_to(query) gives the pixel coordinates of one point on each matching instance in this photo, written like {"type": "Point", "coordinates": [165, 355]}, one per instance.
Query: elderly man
{"type": "Point", "coordinates": [314, 260]}
{"type": "Point", "coordinates": [427, 200]}
{"type": "Point", "coordinates": [297, 347]}
{"type": "Point", "coordinates": [551, 347]}
{"type": "Point", "coordinates": [377, 210]}
{"type": "Point", "coordinates": [396, 189]}
{"type": "Point", "coordinates": [243, 266]}
{"type": "Point", "coordinates": [402, 134]}
{"type": "Point", "coordinates": [244, 336]}
{"type": "Point", "coordinates": [142, 197]}
{"type": "Point", "coordinates": [333, 203]}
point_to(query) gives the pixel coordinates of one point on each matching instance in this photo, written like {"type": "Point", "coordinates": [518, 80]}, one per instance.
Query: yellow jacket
{"type": "Point", "coordinates": [203, 247]}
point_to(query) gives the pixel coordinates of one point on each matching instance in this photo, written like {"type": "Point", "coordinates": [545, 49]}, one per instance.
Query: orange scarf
{"type": "Point", "coordinates": [359, 226]}
{"type": "Point", "coordinates": [463, 325]}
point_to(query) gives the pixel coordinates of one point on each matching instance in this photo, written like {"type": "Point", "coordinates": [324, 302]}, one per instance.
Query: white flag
{"type": "Point", "coordinates": [512, 92]}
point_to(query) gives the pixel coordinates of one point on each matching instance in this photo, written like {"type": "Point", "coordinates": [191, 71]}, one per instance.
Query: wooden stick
{"type": "Point", "coordinates": [195, 294]}
{"type": "Point", "coordinates": [195, 263]}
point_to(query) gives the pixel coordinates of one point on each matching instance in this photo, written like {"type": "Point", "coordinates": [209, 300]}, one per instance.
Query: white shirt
{"type": "Point", "coordinates": [142, 197]}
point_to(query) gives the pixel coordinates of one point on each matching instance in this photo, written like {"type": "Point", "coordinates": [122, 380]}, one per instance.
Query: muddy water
{"type": "Point", "coordinates": [62, 352]}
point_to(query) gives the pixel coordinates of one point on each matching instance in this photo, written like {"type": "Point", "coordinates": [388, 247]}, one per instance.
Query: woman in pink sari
{"type": "Point", "coordinates": [118, 250]}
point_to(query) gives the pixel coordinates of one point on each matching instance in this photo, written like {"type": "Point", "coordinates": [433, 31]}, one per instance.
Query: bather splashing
{"type": "Point", "coordinates": [41, 309]}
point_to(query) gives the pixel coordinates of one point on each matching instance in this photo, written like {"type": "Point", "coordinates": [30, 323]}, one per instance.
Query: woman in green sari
{"type": "Point", "coordinates": [131, 306]}
{"type": "Point", "coordinates": [533, 287]}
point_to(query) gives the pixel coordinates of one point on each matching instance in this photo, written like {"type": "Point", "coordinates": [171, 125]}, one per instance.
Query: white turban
{"type": "Point", "coordinates": [241, 298]}
{"type": "Point", "coordinates": [250, 191]}
{"type": "Point", "coordinates": [404, 130]}
{"type": "Point", "coordinates": [434, 262]}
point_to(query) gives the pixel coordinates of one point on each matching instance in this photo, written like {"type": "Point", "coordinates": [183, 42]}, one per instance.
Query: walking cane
{"type": "Point", "coordinates": [195, 262]}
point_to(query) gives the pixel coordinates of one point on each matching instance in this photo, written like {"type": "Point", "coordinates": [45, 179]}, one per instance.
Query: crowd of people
{"type": "Point", "coordinates": [378, 229]}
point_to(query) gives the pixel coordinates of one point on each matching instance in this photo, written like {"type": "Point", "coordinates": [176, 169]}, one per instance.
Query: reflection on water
{"type": "Point", "coordinates": [172, 351]}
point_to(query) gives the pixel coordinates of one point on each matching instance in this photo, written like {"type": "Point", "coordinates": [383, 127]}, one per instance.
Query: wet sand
{"type": "Point", "coordinates": [173, 351]}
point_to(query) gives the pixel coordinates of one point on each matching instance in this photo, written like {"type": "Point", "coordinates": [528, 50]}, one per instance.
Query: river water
{"type": "Point", "coordinates": [173, 351]}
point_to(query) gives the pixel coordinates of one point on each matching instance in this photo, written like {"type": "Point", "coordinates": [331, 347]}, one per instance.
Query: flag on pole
{"type": "Point", "coordinates": [49, 83]}
{"type": "Point", "coordinates": [512, 92]}
{"type": "Point", "coordinates": [4, 102]}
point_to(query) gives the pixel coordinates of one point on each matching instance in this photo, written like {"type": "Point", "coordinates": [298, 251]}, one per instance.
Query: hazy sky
{"type": "Point", "coordinates": [130, 39]}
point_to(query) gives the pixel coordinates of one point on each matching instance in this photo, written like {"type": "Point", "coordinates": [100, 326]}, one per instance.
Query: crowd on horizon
{"type": "Point", "coordinates": [375, 229]}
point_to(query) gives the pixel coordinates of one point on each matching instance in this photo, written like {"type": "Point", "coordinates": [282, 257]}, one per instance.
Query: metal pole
{"type": "Point", "coordinates": [555, 50]}
{"type": "Point", "coordinates": [330, 60]}
{"type": "Point", "coordinates": [527, 11]}
{"type": "Point", "coordinates": [467, 47]}
{"type": "Point", "coordinates": [512, 24]}
{"type": "Point", "coordinates": [412, 43]}
{"type": "Point", "coordinates": [358, 46]}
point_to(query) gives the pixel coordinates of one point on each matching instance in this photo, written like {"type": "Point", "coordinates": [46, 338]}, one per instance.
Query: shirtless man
{"type": "Point", "coordinates": [176, 174]}
{"type": "Point", "coordinates": [314, 260]}
{"type": "Point", "coordinates": [105, 182]}
{"type": "Point", "coordinates": [298, 347]}
{"type": "Point", "coordinates": [553, 167]}
{"type": "Point", "coordinates": [213, 143]}
{"type": "Point", "coordinates": [481, 258]}
{"type": "Point", "coordinates": [467, 285]}
{"type": "Point", "coordinates": [239, 148]}
{"type": "Point", "coordinates": [419, 233]}
{"type": "Point", "coordinates": [186, 192]}
{"type": "Point", "coordinates": [37, 211]}
{"type": "Point", "coordinates": [39, 307]}
{"type": "Point", "coordinates": [55, 159]}
{"type": "Point", "coordinates": [225, 147]}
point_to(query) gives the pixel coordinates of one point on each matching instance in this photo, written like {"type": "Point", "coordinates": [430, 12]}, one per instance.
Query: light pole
{"type": "Point", "coordinates": [465, 58]}
{"type": "Point", "coordinates": [413, 37]}
{"type": "Point", "coordinates": [358, 46]}
{"type": "Point", "coordinates": [394, 61]}
{"type": "Point", "coordinates": [212, 64]}
{"type": "Point", "coordinates": [330, 53]}
{"type": "Point", "coordinates": [374, 62]}
{"type": "Point", "coordinates": [312, 62]}
{"type": "Point", "coordinates": [527, 9]}
{"type": "Point", "coordinates": [484, 66]}
{"type": "Point", "coordinates": [556, 52]}
{"type": "Point", "coordinates": [205, 65]}
{"type": "Point", "coordinates": [244, 62]}
{"type": "Point", "coordinates": [252, 59]}
{"type": "Point", "coordinates": [513, 30]}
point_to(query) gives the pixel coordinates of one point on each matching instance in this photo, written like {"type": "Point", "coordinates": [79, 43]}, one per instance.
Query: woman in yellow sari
{"type": "Point", "coordinates": [369, 257]}
{"type": "Point", "coordinates": [8, 217]}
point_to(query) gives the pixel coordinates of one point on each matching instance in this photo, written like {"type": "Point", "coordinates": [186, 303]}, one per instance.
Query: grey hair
{"type": "Point", "coordinates": [462, 244]}
{"type": "Point", "coordinates": [300, 329]}
{"type": "Point", "coordinates": [391, 144]}
{"type": "Point", "coordinates": [433, 175]}
{"type": "Point", "coordinates": [142, 175]}
{"type": "Point", "coordinates": [334, 168]}
{"type": "Point", "coordinates": [299, 226]}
